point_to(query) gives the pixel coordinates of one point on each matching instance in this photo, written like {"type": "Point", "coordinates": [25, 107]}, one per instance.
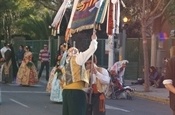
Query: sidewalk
{"type": "Point", "coordinates": [155, 94]}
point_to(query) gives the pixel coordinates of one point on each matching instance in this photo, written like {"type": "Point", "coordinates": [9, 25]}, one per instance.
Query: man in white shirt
{"type": "Point", "coordinates": [99, 81]}
{"type": "Point", "coordinates": [75, 78]}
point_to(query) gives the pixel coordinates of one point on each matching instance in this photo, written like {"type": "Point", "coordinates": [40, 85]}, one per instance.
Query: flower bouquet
{"type": "Point", "coordinates": [29, 64]}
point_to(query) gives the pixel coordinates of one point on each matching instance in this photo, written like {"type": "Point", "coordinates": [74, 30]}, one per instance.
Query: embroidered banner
{"type": "Point", "coordinates": [102, 12]}
{"type": "Point", "coordinates": [110, 21]}
{"type": "Point", "coordinates": [113, 17]}
{"type": "Point", "coordinates": [83, 16]}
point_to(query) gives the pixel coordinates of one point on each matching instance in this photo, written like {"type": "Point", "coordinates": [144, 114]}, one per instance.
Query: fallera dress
{"type": "Point", "coordinates": [27, 74]}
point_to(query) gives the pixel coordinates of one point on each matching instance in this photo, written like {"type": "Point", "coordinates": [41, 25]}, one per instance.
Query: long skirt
{"type": "Point", "coordinates": [27, 76]}
{"type": "Point", "coordinates": [49, 83]}
{"type": "Point", "coordinates": [7, 72]}
{"type": "Point", "coordinates": [56, 91]}
{"type": "Point", "coordinates": [74, 102]}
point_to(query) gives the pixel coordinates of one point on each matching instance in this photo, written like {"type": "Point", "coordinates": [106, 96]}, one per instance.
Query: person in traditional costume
{"type": "Point", "coordinates": [14, 64]}
{"type": "Point", "coordinates": [75, 79]}
{"type": "Point", "coordinates": [99, 82]}
{"type": "Point", "coordinates": [7, 70]}
{"type": "Point", "coordinates": [60, 62]}
{"type": "Point", "coordinates": [27, 73]}
{"type": "Point", "coordinates": [119, 69]}
{"type": "Point", "coordinates": [2, 59]}
{"type": "Point", "coordinates": [53, 85]}
{"type": "Point", "coordinates": [51, 76]}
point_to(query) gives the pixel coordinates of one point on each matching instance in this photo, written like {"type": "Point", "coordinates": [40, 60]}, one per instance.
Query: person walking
{"type": "Point", "coordinates": [75, 78]}
{"type": "Point", "coordinates": [60, 63]}
{"type": "Point", "coordinates": [100, 80]}
{"type": "Point", "coordinates": [169, 78]}
{"type": "Point", "coordinates": [44, 57]}
{"type": "Point", "coordinates": [27, 74]}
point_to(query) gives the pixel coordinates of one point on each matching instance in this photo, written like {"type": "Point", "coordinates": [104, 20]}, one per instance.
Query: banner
{"type": "Point", "coordinates": [102, 12]}
{"type": "Point", "coordinates": [83, 16]}
{"type": "Point", "coordinates": [117, 17]}
{"type": "Point", "coordinates": [110, 17]}
{"type": "Point", "coordinates": [58, 18]}
{"type": "Point", "coordinates": [113, 17]}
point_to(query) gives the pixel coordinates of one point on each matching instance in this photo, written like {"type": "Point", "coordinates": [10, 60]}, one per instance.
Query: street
{"type": "Point", "coordinates": [18, 100]}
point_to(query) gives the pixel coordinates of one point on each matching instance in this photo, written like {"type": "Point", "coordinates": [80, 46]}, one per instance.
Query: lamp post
{"type": "Point", "coordinates": [123, 46]}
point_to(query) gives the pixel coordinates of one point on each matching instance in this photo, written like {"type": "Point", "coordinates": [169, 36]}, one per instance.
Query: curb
{"type": "Point", "coordinates": [152, 98]}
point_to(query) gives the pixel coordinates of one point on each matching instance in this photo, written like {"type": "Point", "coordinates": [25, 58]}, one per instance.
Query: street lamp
{"type": "Point", "coordinates": [123, 46]}
{"type": "Point", "coordinates": [125, 19]}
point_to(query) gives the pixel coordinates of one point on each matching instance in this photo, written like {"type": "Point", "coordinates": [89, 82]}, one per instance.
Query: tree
{"type": "Point", "coordinates": [33, 20]}
{"type": "Point", "coordinates": [6, 17]}
{"type": "Point", "coordinates": [23, 17]}
{"type": "Point", "coordinates": [37, 27]}
{"type": "Point", "coordinates": [152, 14]}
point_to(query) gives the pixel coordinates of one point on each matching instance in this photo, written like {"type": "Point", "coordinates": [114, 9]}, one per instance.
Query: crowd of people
{"type": "Point", "coordinates": [73, 78]}
{"type": "Point", "coordinates": [17, 67]}
{"type": "Point", "coordinates": [76, 79]}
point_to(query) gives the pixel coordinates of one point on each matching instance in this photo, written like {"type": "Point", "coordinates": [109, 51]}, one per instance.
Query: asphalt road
{"type": "Point", "coordinates": [18, 100]}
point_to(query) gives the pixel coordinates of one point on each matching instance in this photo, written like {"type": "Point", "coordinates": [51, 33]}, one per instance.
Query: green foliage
{"type": "Point", "coordinates": [6, 5]}
{"type": "Point", "coordinates": [35, 20]}
{"type": "Point", "coordinates": [36, 26]}
{"type": "Point", "coordinates": [170, 13]}
{"type": "Point", "coordinates": [24, 17]}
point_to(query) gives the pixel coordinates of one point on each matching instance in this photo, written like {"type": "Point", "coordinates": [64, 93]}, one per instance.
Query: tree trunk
{"type": "Point", "coordinates": [146, 62]}
{"type": "Point", "coordinates": [145, 50]}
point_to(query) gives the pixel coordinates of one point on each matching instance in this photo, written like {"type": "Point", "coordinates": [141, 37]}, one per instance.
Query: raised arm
{"type": "Point", "coordinates": [84, 56]}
